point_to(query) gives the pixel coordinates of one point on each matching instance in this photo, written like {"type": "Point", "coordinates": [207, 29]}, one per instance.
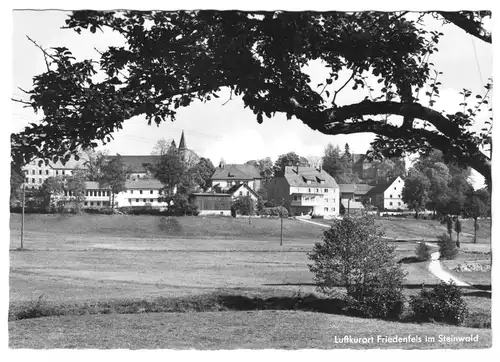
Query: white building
{"type": "Point", "coordinates": [387, 196]}
{"type": "Point", "coordinates": [305, 190]}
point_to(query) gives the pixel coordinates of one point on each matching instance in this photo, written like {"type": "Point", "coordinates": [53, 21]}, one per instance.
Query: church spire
{"type": "Point", "coordinates": [182, 143]}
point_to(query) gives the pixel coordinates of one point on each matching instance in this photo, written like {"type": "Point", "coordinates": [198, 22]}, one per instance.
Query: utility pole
{"type": "Point", "coordinates": [348, 206]}
{"type": "Point", "coordinates": [249, 219]}
{"type": "Point", "coordinates": [22, 216]}
{"type": "Point", "coordinates": [281, 217]}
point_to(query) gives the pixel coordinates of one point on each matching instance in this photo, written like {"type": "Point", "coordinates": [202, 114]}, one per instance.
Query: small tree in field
{"type": "Point", "coordinates": [458, 230]}
{"type": "Point", "coordinates": [353, 255]}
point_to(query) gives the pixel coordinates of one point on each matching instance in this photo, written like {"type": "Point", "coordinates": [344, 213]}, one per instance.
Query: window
{"type": "Point", "coordinates": [136, 200]}
{"type": "Point", "coordinates": [39, 172]}
{"type": "Point", "coordinates": [32, 172]}
{"type": "Point", "coordinates": [144, 200]}
{"type": "Point", "coordinates": [63, 172]}
{"type": "Point", "coordinates": [98, 203]}
{"type": "Point", "coordinates": [241, 193]}
{"type": "Point", "coordinates": [46, 172]}
{"type": "Point", "coordinates": [57, 172]}
{"type": "Point", "coordinates": [85, 203]}
{"type": "Point", "coordinates": [27, 180]}
{"type": "Point", "coordinates": [390, 196]}
{"type": "Point", "coordinates": [325, 190]}
{"type": "Point", "coordinates": [32, 180]}
{"type": "Point", "coordinates": [394, 188]}
{"type": "Point", "coordinates": [98, 193]}
{"type": "Point", "coordinates": [399, 203]}
{"type": "Point", "coordinates": [390, 203]}
{"type": "Point", "coordinates": [326, 200]}
{"type": "Point", "coordinates": [140, 191]}
{"type": "Point", "coordinates": [317, 190]}
{"type": "Point", "coordinates": [248, 193]}
{"type": "Point", "coordinates": [40, 180]}
{"type": "Point", "coordinates": [309, 190]}
{"type": "Point", "coordinates": [151, 192]}
{"type": "Point", "coordinates": [326, 208]}
{"type": "Point", "coordinates": [131, 191]}
{"type": "Point", "coordinates": [91, 203]}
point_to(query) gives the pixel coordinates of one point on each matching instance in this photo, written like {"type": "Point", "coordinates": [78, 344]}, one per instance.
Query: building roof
{"type": "Point", "coordinates": [308, 173]}
{"type": "Point", "coordinates": [351, 204]}
{"type": "Point", "coordinates": [136, 163]}
{"type": "Point", "coordinates": [182, 142]}
{"type": "Point", "coordinates": [92, 185]}
{"type": "Point", "coordinates": [210, 194]}
{"type": "Point", "coordinates": [380, 188]}
{"type": "Point", "coordinates": [236, 187]}
{"type": "Point", "coordinates": [150, 184]}
{"type": "Point", "coordinates": [360, 189]}
{"type": "Point", "coordinates": [72, 164]}
{"type": "Point", "coordinates": [236, 172]}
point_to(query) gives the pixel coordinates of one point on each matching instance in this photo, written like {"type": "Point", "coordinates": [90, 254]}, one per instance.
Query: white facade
{"type": "Point", "coordinates": [393, 195]}
{"type": "Point", "coordinates": [316, 193]}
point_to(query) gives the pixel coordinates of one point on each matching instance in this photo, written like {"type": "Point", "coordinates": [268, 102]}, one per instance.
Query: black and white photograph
{"type": "Point", "coordinates": [250, 179]}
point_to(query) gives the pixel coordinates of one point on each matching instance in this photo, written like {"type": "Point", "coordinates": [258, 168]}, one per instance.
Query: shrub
{"type": "Point", "coordinates": [443, 303]}
{"type": "Point", "coordinates": [423, 251]}
{"type": "Point", "coordinates": [243, 205]}
{"type": "Point", "coordinates": [275, 211]}
{"type": "Point", "coordinates": [447, 248]}
{"type": "Point", "coordinates": [354, 255]}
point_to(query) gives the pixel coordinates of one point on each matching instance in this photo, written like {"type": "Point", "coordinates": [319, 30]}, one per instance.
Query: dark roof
{"type": "Point", "coordinates": [150, 184]}
{"type": "Point", "coordinates": [209, 194]}
{"type": "Point", "coordinates": [308, 173]}
{"type": "Point", "coordinates": [352, 204]}
{"type": "Point", "coordinates": [380, 188]}
{"type": "Point", "coordinates": [236, 172]}
{"type": "Point", "coordinates": [182, 142]}
{"type": "Point", "coordinates": [136, 163]}
{"type": "Point", "coordinates": [359, 189]}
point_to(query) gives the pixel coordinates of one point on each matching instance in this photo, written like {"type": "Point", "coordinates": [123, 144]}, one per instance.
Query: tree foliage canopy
{"type": "Point", "coordinates": [171, 59]}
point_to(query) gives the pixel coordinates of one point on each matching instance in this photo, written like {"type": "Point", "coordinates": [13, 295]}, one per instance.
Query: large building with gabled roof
{"type": "Point", "coordinates": [228, 175]}
{"type": "Point", "coordinates": [305, 191]}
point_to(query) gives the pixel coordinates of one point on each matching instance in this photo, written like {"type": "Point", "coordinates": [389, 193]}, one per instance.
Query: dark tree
{"type": "Point", "coordinates": [174, 58]}
{"type": "Point", "coordinates": [114, 177]}
{"type": "Point", "coordinates": [289, 159]}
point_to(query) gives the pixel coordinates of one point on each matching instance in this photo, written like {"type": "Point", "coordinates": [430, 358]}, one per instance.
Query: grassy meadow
{"type": "Point", "coordinates": [75, 259]}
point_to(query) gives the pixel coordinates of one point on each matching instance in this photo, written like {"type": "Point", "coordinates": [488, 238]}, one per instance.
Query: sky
{"type": "Point", "coordinates": [229, 131]}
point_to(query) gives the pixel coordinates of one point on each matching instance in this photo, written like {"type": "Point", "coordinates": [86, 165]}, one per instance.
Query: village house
{"type": "Point", "coordinates": [240, 190]}
{"type": "Point", "coordinates": [227, 176]}
{"type": "Point", "coordinates": [387, 195]}
{"type": "Point", "coordinates": [211, 203]}
{"type": "Point", "coordinates": [305, 191]}
{"type": "Point", "coordinates": [35, 174]}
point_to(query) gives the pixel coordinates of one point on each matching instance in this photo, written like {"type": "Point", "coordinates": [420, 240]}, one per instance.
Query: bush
{"type": "Point", "coordinates": [275, 211]}
{"type": "Point", "coordinates": [423, 252]}
{"type": "Point", "coordinates": [443, 303]}
{"type": "Point", "coordinates": [243, 205]}
{"type": "Point", "coordinates": [354, 255]}
{"type": "Point", "coordinates": [447, 247]}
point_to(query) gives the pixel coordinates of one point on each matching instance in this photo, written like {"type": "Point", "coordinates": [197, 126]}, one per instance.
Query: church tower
{"type": "Point", "coordinates": [182, 143]}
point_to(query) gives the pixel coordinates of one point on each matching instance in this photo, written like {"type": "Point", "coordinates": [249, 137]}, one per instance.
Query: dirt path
{"type": "Point", "coordinates": [435, 266]}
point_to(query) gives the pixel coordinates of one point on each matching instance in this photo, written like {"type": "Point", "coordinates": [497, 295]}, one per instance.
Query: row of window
{"type": "Point", "coordinates": [332, 209]}
{"type": "Point", "coordinates": [399, 203]}
{"type": "Point", "coordinates": [33, 180]}
{"type": "Point", "coordinates": [96, 203]}
{"type": "Point", "coordinates": [33, 172]}
{"type": "Point", "coordinates": [97, 193]}
{"type": "Point", "coordinates": [143, 200]}
{"type": "Point", "coordinates": [140, 191]}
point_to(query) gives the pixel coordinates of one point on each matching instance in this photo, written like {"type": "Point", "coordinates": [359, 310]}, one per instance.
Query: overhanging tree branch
{"type": "Point", "coordinates": [468, 24]}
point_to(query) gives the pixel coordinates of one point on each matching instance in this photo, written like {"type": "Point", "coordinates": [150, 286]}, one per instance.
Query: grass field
{"type": "Point", "coordinates": [230, 330]}
{"type": "Point", "coordinates": [86, 258]}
